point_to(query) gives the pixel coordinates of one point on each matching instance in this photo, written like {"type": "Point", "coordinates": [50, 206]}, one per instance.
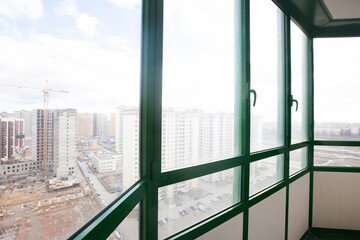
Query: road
{"type": "Point", "coordinates": [97, 187]}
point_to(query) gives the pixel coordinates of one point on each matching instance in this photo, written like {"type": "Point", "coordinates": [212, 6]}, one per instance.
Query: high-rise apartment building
{"type": "Point", "coordinates": [101, 125]}
{"type": "Point", "coordinates": [256, 133]}
{"type": "Point", "coordinates": [27, 116]}
{"type": "Point", "coordinates": [127, 143]}
{"type": "Point", "coordinates": [112, 124]}
{"type": "Point", "coordinates": [188, 137]}
{"type": "Point", "coordinates": [216, 141]}
{"type": "Point", "coordinates": [84, 124]}
{"type": "Point", "coordinates": [180, 138]}
{"type": "Point", "coordinates": [53, 145]}
{"type": "Point", "coordinates": [11, 137]}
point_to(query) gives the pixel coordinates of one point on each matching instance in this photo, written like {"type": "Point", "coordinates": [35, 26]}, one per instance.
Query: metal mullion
{"type": "Point", "coordinates": [336, 169]}
{"type": "Point", "coordinates": [337, 143]}
{"type": "Point", "coordinates": [244, 112]}
{"type": "Point", "coordinates": [300, 145]}
{"type": "Point", "coordinates": [287, 8]}
{"type": "Point", "coordinates": [298, 174]}
{"type": "Point", "coordinates": [287, 46]}
{"type": "Point", "coordinates": [310, 124]}
{"type": "Point", "coordinates": [209, 223]}
{"type": "Point", "coordinates": [268, 153]}
{"type": "Point", "coordinates": [267, 192]}
{"type": "Point", "coordinates": [108, 220]}
{"type": "Point", "coordinates": [184, 174]}
{"type": "Point", "coordinates": [151, 113]}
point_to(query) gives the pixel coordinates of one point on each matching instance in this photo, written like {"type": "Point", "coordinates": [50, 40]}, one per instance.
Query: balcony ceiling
{"type": "Point", "coordinates": [326, 18]}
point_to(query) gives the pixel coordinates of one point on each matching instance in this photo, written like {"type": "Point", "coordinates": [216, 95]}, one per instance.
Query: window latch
{"type": "Point", "coordinates": [294, 101]}
{"type": "Point", "coordinates": [253, 92]}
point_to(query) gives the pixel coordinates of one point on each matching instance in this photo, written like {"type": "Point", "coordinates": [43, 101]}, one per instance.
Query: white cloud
{"type": "Point", "coordinates": [68, 8]}
{"type": "Point", "coordinates": [122, 43]}
{"type": "Point", "coordinates": [116, 41]}
{"type": "Point", "coordinates": [97, 79]}
{"type": "Point", "coordinates": [31, 9]}
{"type": "Point", "coordinates": [127, 4]}
{"type": "Point", "coordinates": [87, 24]}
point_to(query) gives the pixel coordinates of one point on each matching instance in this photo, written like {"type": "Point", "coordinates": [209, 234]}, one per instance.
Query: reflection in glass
{"type": "Point", "coordinates": [298, 160]}
{"type": "Point", "coordinates": [331, 156]}
{"type": "Point", "coordinates": [186, 203]}
{"type": "Point", "coordinates": [198, 82]}
{"type": "Point", "coordinates": [266, 172]}
{"type": "Point", "coordinates": [299, 83]}
{"type": "Point", "coordinates": [336, 85]}
{"type": "Point", "coordinates": [267, 75]}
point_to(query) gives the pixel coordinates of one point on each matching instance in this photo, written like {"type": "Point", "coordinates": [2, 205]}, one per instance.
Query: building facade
{"type": "Point", "coordinates": [189, 137]}
{"type": "Point", "coordinates": [105, 162]}
{"type": "Point", "coordinates": [11, 137]}
{"type": "Point", "coordinates": [54, 142]}
{"type": "Point", "coordinates": [84, 124]}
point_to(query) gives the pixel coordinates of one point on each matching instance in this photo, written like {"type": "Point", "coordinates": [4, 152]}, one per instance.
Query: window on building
{"type": "Point", "coordinates": [93, 64]}
{"type": "Point", "coordinates": [336, 64]}
{"type": "Point", "coordinates": [266, 172]}
{"type": "Point", "coordinates": [331, 156]}
{"type": "Point", "coordinates": [267, 75]}
{"type": "Point", "coordinates": [198, 82]}
{"type": "Point", "coordinates": [299, 85]}
{"type": "Point", "coordinates": [186, 203]}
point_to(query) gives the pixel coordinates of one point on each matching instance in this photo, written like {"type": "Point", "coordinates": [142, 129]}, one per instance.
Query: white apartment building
{"type": "Point", "coordinates": [11, 137]}
{"type": "Point", "coordinates": [217, 141]}
{"type": "Point", "coordinates": [188, 137]}
{"type": "Point", "coordinates": [101, 125]}
{"type": "Point", "coordinates": [256, 133]}
{"type": "Point", "coordinates": [128, 145]}
{"type": "Point", "coordinates": [54, 147]}
{"type": "Point", "coordinates": [105, 162]}
{"type": "Point", "coordinates": [66, 132]}
{"type": "Point", "coordinates": [84, 124]}
{"type": "Point", "coordinates": [180, 138]}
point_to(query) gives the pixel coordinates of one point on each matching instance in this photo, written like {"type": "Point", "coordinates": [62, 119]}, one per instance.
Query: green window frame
{"type": "Point", "coordinates": [145, 191]}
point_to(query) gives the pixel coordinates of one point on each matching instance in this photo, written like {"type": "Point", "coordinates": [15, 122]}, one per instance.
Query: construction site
{"type": "Point", "coordinates": [44, 211]}
{"type": "Point", "coordinates": [53, 181]}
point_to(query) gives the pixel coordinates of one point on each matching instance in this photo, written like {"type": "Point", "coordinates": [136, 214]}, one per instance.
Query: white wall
{"type": "Point", "coordinates": [298, 207]}
{"type": "Point", "coordinates": [267, 218]}
{"type": "Point", "coordinates": [336, 200]}
{"type": "Point", "coordinates": [231, 229]}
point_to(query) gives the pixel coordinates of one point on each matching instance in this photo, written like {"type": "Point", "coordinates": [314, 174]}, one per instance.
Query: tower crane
{"type": "Point", "coordinates": [44, 136]}
{"type": "Point", "coordinates": [45, 90]}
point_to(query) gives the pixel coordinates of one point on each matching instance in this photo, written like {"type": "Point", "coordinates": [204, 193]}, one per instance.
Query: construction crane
{"type": "Point", "coordinates": [45, 90]}
{"type": "Point", "coordinates": [44, 136]}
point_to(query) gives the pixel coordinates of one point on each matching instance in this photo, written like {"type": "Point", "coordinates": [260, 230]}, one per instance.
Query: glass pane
{"type": "Point", "coordinates": [66, 66]}
{"type": "Point", "coordinates": [299, 84]}
{"type": "Point", "coordinates": [129, 227]}
{"type": "Point", "coordinates": [298, 160]}
{"type": "Point", "coordinates": [331, 156]}
{"type": "Point", "coordinates": [267, 75]}
{"type": "Point", "coordinates": [186, 203]}
{"type": "Point", "coordinates": [336, 83]}
{"type": "Point", "coordinates": [198, 82]}
{"type": "Point", "coordinates": [266, 172]}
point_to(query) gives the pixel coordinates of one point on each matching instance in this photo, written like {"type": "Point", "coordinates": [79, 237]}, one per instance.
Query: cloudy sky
{"type": "Point", "coordinates": [92, 49]}
{"type": "Point", "coordinates": [89, 48]}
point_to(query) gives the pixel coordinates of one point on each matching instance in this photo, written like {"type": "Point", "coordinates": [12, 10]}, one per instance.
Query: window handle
{"type": "Point", "coordinates": [253, 92]}
{"type": "Point", "coordinates": [294, 101]}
